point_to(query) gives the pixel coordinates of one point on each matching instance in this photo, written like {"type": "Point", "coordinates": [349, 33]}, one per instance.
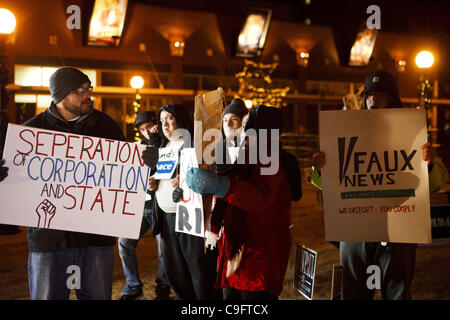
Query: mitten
{"type": "Point", "coordinates": [3, 170]}
{"type": "Point", "coordinates": [203, 182]}
{"type": "Point", "coordinates": [150, 156]}
{"type": "Point", "coordinates": [177, 194]}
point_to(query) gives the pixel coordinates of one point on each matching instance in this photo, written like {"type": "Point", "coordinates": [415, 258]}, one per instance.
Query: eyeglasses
{"type": "Point", "coordinates": [82, 90]}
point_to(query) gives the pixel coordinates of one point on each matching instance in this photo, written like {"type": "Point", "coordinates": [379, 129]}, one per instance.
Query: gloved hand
{"type": "Point", "coordinates": [150, 156]}
{"type": "Point", "coordinates": [203, 182]}
{"type": "Point", "coordinates": [3, 170]}
{"type": "Point", "coordinates": [154, 139]}
{"type": "Point", "coordinates": [177, 194]}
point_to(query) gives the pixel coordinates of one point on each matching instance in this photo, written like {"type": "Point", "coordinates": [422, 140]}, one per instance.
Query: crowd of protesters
{"type": "Point", "coordinates": [245, 251]}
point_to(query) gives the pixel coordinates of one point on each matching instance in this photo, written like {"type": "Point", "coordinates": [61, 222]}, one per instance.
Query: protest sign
{"type": "Point", "coordinates": [71, 182]}
{"type": "Point", "coordinates": [208, 115]}
{"type": "Point", "coordinates": [375, 183]}
{"type": "Point", "coordinates": [305, 271]}
{"type": "Point", "coordinates": [167, 162]}
{"type": "Point", "coordinates": [189, 216]}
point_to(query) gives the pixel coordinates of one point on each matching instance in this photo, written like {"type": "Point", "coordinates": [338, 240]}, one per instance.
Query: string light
{"type": "Point", "coordinates": [255, 85]}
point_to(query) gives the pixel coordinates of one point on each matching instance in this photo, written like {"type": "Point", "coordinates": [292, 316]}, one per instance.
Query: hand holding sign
{"type": "Point", "coordinates": [427, 153]}
{"type": "Point", "coordinates": [150, 156]}
{"type": "Point", "coordinates": [177, 194]}
{"type": "Point", "coordinates": [47, 210]}
{"type": "Point", "coordinates": [151, 184]}
{"type": "Point", "coordinates": [3, 170]}
{"type": "Point", "coordinates": [318, 160]}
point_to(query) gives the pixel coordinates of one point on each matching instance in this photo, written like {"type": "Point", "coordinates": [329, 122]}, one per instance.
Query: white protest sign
{"type": "Point", "coordinates": [375, 183]}
{"type": "Point", "coordinates": [167, 162]}
{"type": "Point", "coordinates": [189, 216]}
{"type": "Point", "coordinates": [70, 182]}
{"type": "Point", "coordinates": [305, 271]}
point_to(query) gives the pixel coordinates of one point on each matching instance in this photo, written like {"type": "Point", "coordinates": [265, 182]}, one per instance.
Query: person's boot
{"type": "Point", "coordinates": [162, 292]}
{"type": "Point", "coordinates": [137, 296]}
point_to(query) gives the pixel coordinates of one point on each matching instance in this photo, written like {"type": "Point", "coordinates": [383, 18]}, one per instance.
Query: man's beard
{"type": "Point", "coordinates": [78, 110]}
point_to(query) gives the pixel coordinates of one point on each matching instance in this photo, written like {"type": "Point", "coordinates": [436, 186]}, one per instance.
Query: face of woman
{"type": "Point", "coordinates": [168, 123]}
{"type": "Point", "coordinates": [231, 124]}
{"type": "Point", "coordinates": [376, 100]}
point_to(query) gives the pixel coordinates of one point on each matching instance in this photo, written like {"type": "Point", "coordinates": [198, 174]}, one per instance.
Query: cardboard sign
{"type": "Point", "coordinates": [305, 271]}
{"type": "Point", "coordinates": [207, 115]}
{"type": "Point", "coordinates": [189, 216]}
{"type": "Point", "coordinates": [167, 162]}
{"type": "Point", "coordinates": [70, 182]}
{"type": "Point", "coordinates": [375, 183]}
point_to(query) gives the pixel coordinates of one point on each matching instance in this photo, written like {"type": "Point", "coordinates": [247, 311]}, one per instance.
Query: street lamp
{"type": "Point", "coordinates": [7, 26]}
{"type": "Point", "coordinates": [137, 83]}
{"type": "Point", "coordinates": [7, 21]}
{"type": "Point", "coordinates": [424, 61]}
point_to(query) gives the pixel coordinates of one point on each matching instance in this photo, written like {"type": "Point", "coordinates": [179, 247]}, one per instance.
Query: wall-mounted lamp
{"type": "Point", "coordinates": [302, 58]}
{"type": "Point", "coordinates": [177, 47]}
{"type": "Point", "coordinates": [400, 65]}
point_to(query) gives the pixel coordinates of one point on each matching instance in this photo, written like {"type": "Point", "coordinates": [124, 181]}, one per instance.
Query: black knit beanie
{"type": "Point", "coordinates": [145, 116]}
{"type": "Point", "coordinates": [382, 81]}
{"type": "Point", "coordinates": [237, 107]}
{"type": "Point", "coordinates": [65, 80]}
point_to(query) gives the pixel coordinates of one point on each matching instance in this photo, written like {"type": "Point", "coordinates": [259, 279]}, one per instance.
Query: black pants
{"type": "Point", "coordinates": [234, 294]}
{"type": "Point", "coordinates": [396, 262]}
{"type": "Point", "coordinates": [191, 271]}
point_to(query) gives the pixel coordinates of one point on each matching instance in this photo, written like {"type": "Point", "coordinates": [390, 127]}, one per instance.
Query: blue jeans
{"type": "Point", "coordinates": [89, 270]}
{"type": "Point", "coordinates": [127, 252]}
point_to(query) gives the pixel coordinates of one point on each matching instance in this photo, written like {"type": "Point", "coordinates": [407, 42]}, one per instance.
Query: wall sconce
{"type": "Point", "coordinates": [302, 58]}
{"type": "Point", "coordinates": [400, 65]}
{"type": "Point", "coordinates": [177, 48]}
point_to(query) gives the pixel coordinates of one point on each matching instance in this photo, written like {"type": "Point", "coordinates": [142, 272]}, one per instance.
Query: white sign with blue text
{"type": "Point", "coordinates": [167, 162]}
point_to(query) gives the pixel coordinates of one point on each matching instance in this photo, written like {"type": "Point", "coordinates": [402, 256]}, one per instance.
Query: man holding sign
{"type": "Point", "coordinates": [55, 254]}
{"type": "Point", "coordinates": [394, 195]}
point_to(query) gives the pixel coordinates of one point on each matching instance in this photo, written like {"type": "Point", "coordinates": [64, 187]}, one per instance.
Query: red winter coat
{"type": "Point", "coordinates": [265, 202]}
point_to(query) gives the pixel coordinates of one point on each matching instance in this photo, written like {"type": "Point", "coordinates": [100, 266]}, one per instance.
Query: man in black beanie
{"type": "Point", "coordinates": [145, 121]}
{"type": "Point", "coordinates": [53, 251]}
{"type": "Point", "coordinates": [396, 261]}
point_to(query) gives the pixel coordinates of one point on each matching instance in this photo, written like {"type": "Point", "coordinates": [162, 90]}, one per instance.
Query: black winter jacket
{"type": "Point", "coordinates": [95, 124]}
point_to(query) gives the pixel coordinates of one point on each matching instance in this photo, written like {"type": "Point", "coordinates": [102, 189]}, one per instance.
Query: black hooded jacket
{"type": "Point", "coordinates": [264, 117]}
{"type": "Point", "coordinates": [184, 121]}
{"type": "Point", "coordinates": [182, 117]}
{"type": "Point", "coordinates": [95, 124]}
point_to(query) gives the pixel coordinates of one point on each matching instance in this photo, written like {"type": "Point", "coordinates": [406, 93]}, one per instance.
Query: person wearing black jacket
{"type": "Point", "coordinates": [53, 251]}
{"type": "Point", "coordinates": [190, 270]}
{"type": "Point", "coordinates": [127, 247]}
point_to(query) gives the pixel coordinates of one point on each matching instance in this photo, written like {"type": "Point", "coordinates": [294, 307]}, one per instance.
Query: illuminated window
{"type": "Point", "coordinates": [106, 23]}
{"type": "Point", "coordinates": [28, 76]}
{"type": "Point", "coordinates": [362, 48]}
{"type": "Point", "coordinates": [253, 33]}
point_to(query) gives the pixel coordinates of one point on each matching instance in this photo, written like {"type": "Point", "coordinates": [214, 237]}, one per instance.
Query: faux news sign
{"type": "Point", "coordinates": [71, 182]}
{"type": "Point", "coordinates": [375, 183]}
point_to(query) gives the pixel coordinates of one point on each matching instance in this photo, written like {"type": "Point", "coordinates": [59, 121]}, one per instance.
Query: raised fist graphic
{"type": "Point", "coordinates": [47, 211]}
